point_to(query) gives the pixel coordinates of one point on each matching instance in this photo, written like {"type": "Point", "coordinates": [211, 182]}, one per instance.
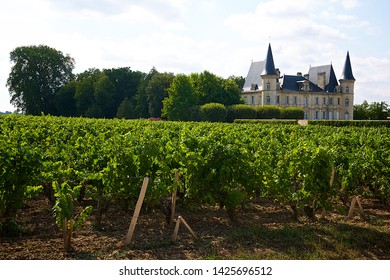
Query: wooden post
{"type": "Point", "coordinates": [137, 211]}
{"type": "Point", "coordinates": [188, 227]}
{"type": "Point", "coordinates": [355, 199]}
{"type": "Point", "coordinates": [352, 208]}
{"type": "Point", "coordinates": [359, 204]}
{"type": "Point", "coordinates": [174, 235]}
{"type": "Point", "coordinates": [173, 201]}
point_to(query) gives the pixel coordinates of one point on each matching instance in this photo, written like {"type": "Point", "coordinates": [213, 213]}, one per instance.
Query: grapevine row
{"type": "Point", "coordinates": [225, 164]}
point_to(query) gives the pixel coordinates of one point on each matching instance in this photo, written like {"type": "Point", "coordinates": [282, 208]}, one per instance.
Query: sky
{"type": "Point", "coordinates": [220, 36]}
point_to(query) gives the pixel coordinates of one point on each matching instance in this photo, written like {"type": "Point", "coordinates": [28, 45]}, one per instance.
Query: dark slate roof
{"type": "Point", "coordinates": [332, 84]}
{"type": "Point", "coordinates": [293, 83]}
{"type": "Point", "coordinates": [347, 71]}
{"type": "Point", "coordinates": [254, 75]}
{"type": "Point", "coordinates": [331, 80]}
{"type": "Point", "coordinates": [269, 68]}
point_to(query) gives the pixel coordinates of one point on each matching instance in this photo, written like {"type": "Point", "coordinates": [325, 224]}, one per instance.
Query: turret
{"type": "Point", "coordinates": [270, 78]}
{"type": "Point", "coordinates": [347, 84]}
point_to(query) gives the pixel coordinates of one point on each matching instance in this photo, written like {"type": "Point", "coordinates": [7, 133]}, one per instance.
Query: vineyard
{"type": "Point", "coordinates": [84, 167]}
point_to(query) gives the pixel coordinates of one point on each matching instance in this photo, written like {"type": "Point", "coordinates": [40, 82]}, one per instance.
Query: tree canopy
{"type": "Point", "coordinates": [373, 111]}
{"type": "Point", "coordinates": [37, 74]}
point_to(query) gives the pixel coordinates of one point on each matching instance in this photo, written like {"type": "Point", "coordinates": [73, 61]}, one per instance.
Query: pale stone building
{"type": "Point", "coordinates": [318, 92]}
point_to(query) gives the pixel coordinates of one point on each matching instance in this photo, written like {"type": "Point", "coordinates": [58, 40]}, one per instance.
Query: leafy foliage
{"type": "Point", "coordinates": [38, 72]}
{"type": "Point", "coordinates": [219, 163]}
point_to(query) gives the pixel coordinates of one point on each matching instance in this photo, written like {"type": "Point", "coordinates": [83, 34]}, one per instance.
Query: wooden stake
{"type": "Point", "coordinates": [173, 201]}
{"type": "Point", "coordinates": [359, 204]}
{"type": "Point", "coordinates": [137, 211]}
{"type": "Point", "coordinates": [174, 235]}
{"type": "Point", "coordinates": [331, 178]}
{"type": "Point", "coordinates": [352, 208]}
{"type": "Point", "coordinates": [188, 227]}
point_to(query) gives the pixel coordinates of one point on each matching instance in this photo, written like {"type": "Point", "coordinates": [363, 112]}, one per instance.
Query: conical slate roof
{"type": "Point", "coordinates": [347, 71]}
{"type": "Point", "coordinates": [332, 84]}
{"type": "Point", "coordinates": [269, 68]}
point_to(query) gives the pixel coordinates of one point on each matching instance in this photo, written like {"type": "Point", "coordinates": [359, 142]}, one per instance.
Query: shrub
{"type": "Point", "coordinates": [241, 111]}
{"type": "Point", "coordinates": [213, 112]}
{"type": "Point", "coordinates": [292, 113]}
{"type": "Point", "coordinates": [268, 112]}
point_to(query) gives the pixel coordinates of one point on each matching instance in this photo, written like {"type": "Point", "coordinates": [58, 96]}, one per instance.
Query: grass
{"type": "Point", "coordinates": [319, 240]}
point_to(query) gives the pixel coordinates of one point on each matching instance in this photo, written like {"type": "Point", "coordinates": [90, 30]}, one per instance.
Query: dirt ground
{"type": "Point", "coordinates": [264, 230]}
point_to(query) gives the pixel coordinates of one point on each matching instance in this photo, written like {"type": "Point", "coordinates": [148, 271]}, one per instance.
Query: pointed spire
{"type": "Point", "coordinates": [330, 87]}
{"type": "Point", "coordinates": [347, 71]}
{"type": "Point", "coordinates": [269, 68]}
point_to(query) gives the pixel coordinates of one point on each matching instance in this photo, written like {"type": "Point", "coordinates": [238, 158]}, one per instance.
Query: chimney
{"type": "Point", "coordinates": [321, 80]}
{"type": "Point", "coordinates": [299, 74]}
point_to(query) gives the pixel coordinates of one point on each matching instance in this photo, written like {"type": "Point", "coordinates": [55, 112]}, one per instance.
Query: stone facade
{"type": "Point", "coordinates": [318, 93]}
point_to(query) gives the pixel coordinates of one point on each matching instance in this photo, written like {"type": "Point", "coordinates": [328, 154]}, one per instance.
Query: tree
{"type": "Point", "coordinates": [180, 100]}
{"type": "Point", "coordinates": [104, 93]}
{"type": "Point", "coordinates": [125, 110]}
{"type": "Point", "coordinates": [64, 100]}
{"type": "Point", "coordinates": [156, 92]}
{"type": "Point", "coordinates": [238, 80]}
{"type": "Point", "coordinates": [373, 111]}
{"type": "Point", "coordinates": [360, 111]}
{"type": "Point", "coordinates": [378, 111]}
{"type": "Point", "coordinates": [37, 74]}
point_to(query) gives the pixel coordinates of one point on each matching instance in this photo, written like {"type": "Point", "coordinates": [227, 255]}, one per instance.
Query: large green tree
{"type": "Point", "coordinates": [37, 74]}
{"type": "Point", "coordinates": [180, 100]}
{"type": "Point", "coordinates": [372, 111]}
{"type": "Point", "coordinates": [156, 92]}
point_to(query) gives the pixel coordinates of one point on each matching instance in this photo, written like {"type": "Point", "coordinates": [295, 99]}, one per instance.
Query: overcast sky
{"type": "Point", "coordinates": [221, 36]}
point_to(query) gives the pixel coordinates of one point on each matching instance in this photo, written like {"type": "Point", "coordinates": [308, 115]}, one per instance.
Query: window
{"type": "Point", "coordinates": [324, 102]}
{"type": "Point", "coordinates": [331, 115]}
{"type": "Point", "coordinates": [252, 100]}
{"type": "Point", "coordinates": [287, 100]}
{"type": "Point", "coordinates": [346, 102]}
{"type": "Point", "coordinates": [268, 86]}
{"type": "Point", "coordinates": [346, 116]}
{"type": "Point", "coordinates": [330, 100]}
{"type": "Point", "coordinates": [268, 100]}
{"type": "Point", "coordinates": [338, 101]}
{"type": "Point", "coordinates": [316, 100]}
{"type": "Point", "coordinates": [295, 100]}
{"type": "Point", "coordinates": [347, 89]}
{"type": "Point", "coordinates": [306, 101]}
{"type": "Point", "coordinates": [305, 116]}
{"type": "Point", "coordinates": [277, 99]}
{"type": "Point", "coordinates": [316, 115]}
{"type": "Point", "coordinates": [323, 115]}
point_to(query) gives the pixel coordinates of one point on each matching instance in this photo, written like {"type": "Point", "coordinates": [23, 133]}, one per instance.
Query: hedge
{"type": "Point", "coordinates": [241, 111]}
{"type": "Point", "coordinates": [213, 112]}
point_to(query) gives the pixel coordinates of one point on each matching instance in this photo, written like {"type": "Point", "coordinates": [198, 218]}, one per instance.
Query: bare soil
{"type": "Point", "coordinates": [264, 230]}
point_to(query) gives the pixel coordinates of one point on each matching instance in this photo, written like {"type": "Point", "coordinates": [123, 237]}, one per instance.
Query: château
{"type": "Point", "coordinates": [318, 93]}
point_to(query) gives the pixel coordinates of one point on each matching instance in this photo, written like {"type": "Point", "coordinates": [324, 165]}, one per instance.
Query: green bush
{"type": "Point", "coordinates": [241, 111]}
{"type": "Point", "coordinates": [358, 123]}
{"type": "Point", "coordinates": [268, 112]}
{"type": "Point", "coordinates": [263, 121]}
{"type": "Point", "coordinates": [213, 112]}
{"type": "Point", "coordinates": [292, 113]}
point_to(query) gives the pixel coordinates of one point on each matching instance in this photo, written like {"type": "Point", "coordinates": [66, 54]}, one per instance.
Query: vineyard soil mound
{"type": "Point", "coordinates": [264, 231]}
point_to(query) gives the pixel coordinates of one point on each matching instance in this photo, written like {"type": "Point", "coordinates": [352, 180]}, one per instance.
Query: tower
{"type": "Point", "coordinates": [347, 86]}
{"type": "Point", "coordinates": [270, 79]}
